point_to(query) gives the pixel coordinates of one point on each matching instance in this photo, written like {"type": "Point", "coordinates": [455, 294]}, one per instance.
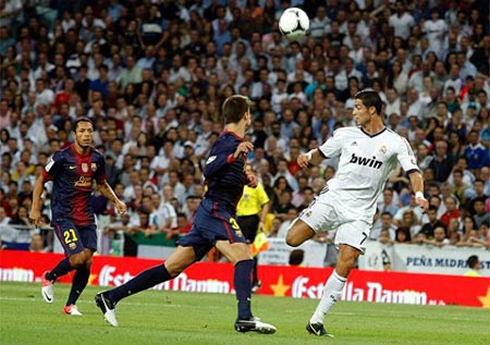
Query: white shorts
{"type": "Point", "coordinates": [321, 215]}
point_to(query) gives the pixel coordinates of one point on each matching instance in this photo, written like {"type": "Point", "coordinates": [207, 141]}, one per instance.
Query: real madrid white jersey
{"type": "Point", "coordinates": [365, 163]}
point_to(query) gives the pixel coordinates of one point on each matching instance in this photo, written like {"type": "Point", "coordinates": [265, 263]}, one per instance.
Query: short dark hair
{"type": "Point", "coordinates": [472, 261]}
{"type": "Point", "coordinates": [370, 98]}
{"type": "Point", "coordinates": [296, 257]}
{"type": "Point", "coordinates": [234, 107]}
{"type": "Point", "coordinates": [81, 119]}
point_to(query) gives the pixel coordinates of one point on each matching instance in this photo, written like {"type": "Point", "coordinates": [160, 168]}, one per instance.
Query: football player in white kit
{"type": "Point", "coordinates": [368, 154]}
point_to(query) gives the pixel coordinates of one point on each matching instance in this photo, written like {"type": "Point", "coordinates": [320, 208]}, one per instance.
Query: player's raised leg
{"type": "Point", "coordinates": [180, 259]}
{"type": "Point", "coordinates": [239, 255]}
{"type": "Point", "coordinates": [299, 233]}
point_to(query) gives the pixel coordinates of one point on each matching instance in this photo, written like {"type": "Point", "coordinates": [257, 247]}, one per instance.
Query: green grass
{"type": "Point", "coordinates": [163, 317]}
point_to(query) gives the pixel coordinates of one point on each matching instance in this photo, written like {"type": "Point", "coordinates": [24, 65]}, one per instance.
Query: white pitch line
{"type": "Point", "coordinates": [163, 304]}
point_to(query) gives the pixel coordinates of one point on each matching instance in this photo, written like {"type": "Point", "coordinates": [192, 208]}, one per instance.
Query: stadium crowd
{"type": "Point", "coordinates": [152, 76]}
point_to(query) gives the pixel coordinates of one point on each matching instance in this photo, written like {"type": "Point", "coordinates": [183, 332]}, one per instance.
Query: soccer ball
{"type": "Point", "coordinates": [294, 23]}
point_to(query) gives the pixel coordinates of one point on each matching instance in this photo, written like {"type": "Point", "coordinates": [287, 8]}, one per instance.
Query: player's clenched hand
{"type": "Point", "coordinates": [243, 148]}
{"type": "Point", "coordinates": [423, 203]}
{"type": "Point", "coordinates": [252, 180]}
{"type": "Point", "coordinates": [35, 215]}
{"type": "Point", "coordinates": [121, 207]}
{"type": "Point", "coordinates": [304, 159]}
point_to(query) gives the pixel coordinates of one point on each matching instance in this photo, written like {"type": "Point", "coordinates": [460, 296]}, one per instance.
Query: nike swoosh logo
{"type": "Point", "coordinates": [47, 297]}
{"type": "Point", "coordinates": [71, 167]}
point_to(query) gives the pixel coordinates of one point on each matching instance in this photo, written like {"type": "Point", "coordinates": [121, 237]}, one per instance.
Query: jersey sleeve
{"type": "Point", "coordinates": [53, 166]}
{"type": "Point", "coordinates": [100, 174]}
{"type": "Point", "coordinates": [406, 156]}
{"type": "Point", "coordinates": [262, 195]}
{"type": "Point", "coordinates": [218, 158]}
{"type": "Point", "coordinates": [333, 146]}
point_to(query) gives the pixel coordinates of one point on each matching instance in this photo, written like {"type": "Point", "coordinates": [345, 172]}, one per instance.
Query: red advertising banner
{"type": "Point", "coordinates": [297, 282]}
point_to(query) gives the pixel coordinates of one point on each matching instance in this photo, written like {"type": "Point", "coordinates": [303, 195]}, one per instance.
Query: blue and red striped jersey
{"type": "Point", "coordinates": [225, 177]}
{"type": "Point", "coordinates": [72, 175]}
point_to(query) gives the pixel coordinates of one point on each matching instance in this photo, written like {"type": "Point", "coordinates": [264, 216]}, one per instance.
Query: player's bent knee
{"type": "Point", "coordinates": [174, 269]}
{"type": "Point", "coordinates": [77, 260]}
{"type": "Point", "coordinates": [293, 239]}
{"type": "Point", "coordinates": [299, 233]}
{"type": "Point", "coordinates": [88, 263]}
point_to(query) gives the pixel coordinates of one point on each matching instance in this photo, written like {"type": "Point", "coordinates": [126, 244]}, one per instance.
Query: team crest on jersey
{"type": "Point", "coordinates": [238, 233]}
{"type": "Point", "coordinates": [383, 149]}
{"type": "Point", "coordinates": [93, 167]}
{"type": "Point", "coordinates": [72, 246]}
{"type": "Point", "coordinates": [84, 167]}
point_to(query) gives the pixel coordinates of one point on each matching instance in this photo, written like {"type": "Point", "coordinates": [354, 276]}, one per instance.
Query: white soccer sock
{"type": "Point", "coordinates": [331, 292]}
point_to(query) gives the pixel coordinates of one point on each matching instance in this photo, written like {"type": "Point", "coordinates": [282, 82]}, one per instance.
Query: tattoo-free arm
{"type": "Point", "coordinates": [35, 213]}
{"type": "Point", "coordinates": [417, 183]}
{"type": "Point", "coordinates": [314, 157]}
{"type": "Point", "coordinates": [107, 191]}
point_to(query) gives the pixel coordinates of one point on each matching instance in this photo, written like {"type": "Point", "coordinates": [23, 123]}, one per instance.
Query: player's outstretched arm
{"type": "Point", "coordinates": [35, 213]}
{"type": "Point", "coordinates": [312, 157]}
{"type": "Point", "coordinates": [107, 191]}
{"type": "Point", "coordinates": [418, 188]}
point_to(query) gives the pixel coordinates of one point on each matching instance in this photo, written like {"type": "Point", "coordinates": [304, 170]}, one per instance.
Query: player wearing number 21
{"type": "Point", "coordinates": [367, 155]}
{"type": "Point", "coordinates": [73, 171]}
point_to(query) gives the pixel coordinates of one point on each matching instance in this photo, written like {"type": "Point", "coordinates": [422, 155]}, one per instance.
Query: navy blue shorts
{"type": "Point", "coordinates": [211, 223]}
{"type": "Point", "coordinates": [75, 239]}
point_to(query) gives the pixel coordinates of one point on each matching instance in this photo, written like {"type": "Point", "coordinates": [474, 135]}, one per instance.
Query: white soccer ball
{"type": "Point", "coordinates": [294, 23]}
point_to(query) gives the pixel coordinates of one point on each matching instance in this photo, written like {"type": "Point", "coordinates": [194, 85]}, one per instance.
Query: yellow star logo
{"type": "Point", "coordinates": [485, 300]}
{"type": "Point", "coordinates": [280, 288]}
{"type": "Point", "coordinates": [92, 278]}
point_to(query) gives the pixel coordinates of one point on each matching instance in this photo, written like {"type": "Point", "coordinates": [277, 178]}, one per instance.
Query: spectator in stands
{"type": "Point", "coordinates": [308, 197]}
{"type": "Point", "coordinates": [37, 243]}
{"type": "Point", "coordinates": [434, 222]}
{"type": "Point", "coordinates": [459, 187]}
{"type": "Point", "coordinates": [412, 206]}
{"type": "Point", "coordinates": [21, 217]}
{"type": "Point", "coordinates": [480, 215]}
{"type": "Point", "coordinates": [385, 237]}
{"type": "Point", "coordinates": [389, 204]}
{"type": "Point", "coordinates": [4, 219]}
{"type": "Point", "coordinates": [452, 211]}
{"type": "Point", "coordinates": [476, 153]}
{"type": "Point", "coordinates": [411, 221]}
{"type": "Point", "coordinates": [477, 191]}
{"type": "Point", "coordinates": [385, 224]}
{"type": "Point", "coordinates": [440, 239]}
{"type": "Point", "coordinates": [183, 226]}
{"type": "Point", "coordinates": [483, 237]}
{"type": "Point", "coordinates": [441, 163]}
{"type": "Point", "coordinates": [282, 205]}
{"type": "Point", "coordinates": [403, 235]}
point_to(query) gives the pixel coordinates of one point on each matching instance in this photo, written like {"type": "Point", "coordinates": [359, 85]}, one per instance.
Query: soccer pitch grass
{"type": "Point", "coordinates": [168, 317]}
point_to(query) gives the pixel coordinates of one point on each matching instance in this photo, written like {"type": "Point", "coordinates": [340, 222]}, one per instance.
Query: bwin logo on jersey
{"type": "Point", "coordinates": [369, 162]}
